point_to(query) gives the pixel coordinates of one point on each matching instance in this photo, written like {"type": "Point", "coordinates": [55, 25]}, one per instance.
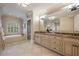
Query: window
{"type": "Point", "coordinates": [12, 28]}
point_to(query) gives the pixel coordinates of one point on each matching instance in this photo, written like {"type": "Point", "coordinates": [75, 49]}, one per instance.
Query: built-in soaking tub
{"type": "Point", "coordinates": [13, 38]}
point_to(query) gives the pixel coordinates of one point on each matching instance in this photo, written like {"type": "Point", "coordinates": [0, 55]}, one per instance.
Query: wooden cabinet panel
{"type": "Point", "coordinates": [59, 44]}
{"type": "Point", "coordinates": [46, 41]}
{"type": "Point", "coordinates": [71, 47]}
{"type": "Point", "coordinates": [42, 38]}
{"type": "Point", "coordinates": [67, 47]}
{"type": "Point", "coordinates": [74, 50]}
{"type": "Point", "coordinates": [76, 47]}
{"type": "Point", "coordinates": [78, 51]}
{"type": "Point", "coordinates": [37, 38]}
{"type": "Point", "coordinates": [63, 45]}
{"type": "Point", "coordinates": [56, 44]}
{"type": "Point", "coordinates": [53, 42]}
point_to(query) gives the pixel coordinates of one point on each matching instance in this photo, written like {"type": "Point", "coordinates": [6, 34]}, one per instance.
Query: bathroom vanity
{"type": "Point", "coordinates": [60, 42]}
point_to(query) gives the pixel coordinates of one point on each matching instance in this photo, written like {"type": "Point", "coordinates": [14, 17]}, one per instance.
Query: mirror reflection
{"type": "Point", "coordinates": [51, 24]}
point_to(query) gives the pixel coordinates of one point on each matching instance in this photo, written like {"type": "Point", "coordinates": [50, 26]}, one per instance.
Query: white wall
{"type": "Point", "coordinates": [37, 22]}
{"type": "Point", "coordinates": [35, 25]}
{"type": "Point", "coordinates": [66, 24]}
{"type": "Point", "coordinates": [14, 11]}
{"type": "Point", "coordinates": [76, 22]}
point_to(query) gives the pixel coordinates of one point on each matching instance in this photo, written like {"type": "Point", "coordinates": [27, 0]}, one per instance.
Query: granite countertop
{"type": "Point", "coordinates": [73, 35]}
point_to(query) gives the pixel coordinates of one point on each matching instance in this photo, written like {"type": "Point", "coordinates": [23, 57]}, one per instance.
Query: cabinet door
{"type": "Point", "coordinates": [42, 38]}
{"type": "Point", "coordinates": [59, 44]}
{"type": "Point", "coordinates": [74, 50]}
{"type": "Point", "coordinates": [67, 47]}
{"type": "Point", "coordinates": [56, 44]}
{"type": "Point", "coordinates": [37, 38]}
{"type": "Point", "coordinates": [46, 41]}
{"type": "Point", "coordinates": [71, 47]}
{"type": "Point", "coordinates": [78, 50]}
{"type": "Point", "coordinates": [53, 42]}
{"type": "Point", "coordinates": [77, 45]}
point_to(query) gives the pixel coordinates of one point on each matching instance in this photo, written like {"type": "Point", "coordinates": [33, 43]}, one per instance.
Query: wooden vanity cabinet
{"type": "Point", "coordinates": [42, 39]}
{"type": "Point", "coordinates": [56, 44]}
{"type": "Point", "coordinates": [53, 43]}
{"type": "Point", "coordinates": [71, 47]}
{"type": "Point", "coordinates": [45, 41]}
{"type": "Point", "coordinates": [64, 45]}
{"type": "Point", "coordinates": [75, 48]}
{"type": "Point", "coordinates": [37, 38]}
{"type": "Point", "coordinates": [59, 44]}
{"type": "Point", "coordinates": [78, 50]}
{"type": "Point", "coordinates": [67, 47]}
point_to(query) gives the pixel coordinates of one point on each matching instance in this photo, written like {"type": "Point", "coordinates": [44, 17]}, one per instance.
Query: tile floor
{"type": "Point", "coordinates": [25, 48]}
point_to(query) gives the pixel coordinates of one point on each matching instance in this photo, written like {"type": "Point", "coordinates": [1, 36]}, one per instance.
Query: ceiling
{"type": "Point", "coordinates": [50, 7]}
{"type": "Point", "coordinates": [14, 5]}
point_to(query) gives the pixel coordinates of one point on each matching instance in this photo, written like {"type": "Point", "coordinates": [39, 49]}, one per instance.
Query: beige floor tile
{"type": "Point", "coordinates": [25, 48]}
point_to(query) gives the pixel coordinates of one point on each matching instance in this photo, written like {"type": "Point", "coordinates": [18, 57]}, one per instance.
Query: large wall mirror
{"type": "Point", "coordinates": [51, 24]}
